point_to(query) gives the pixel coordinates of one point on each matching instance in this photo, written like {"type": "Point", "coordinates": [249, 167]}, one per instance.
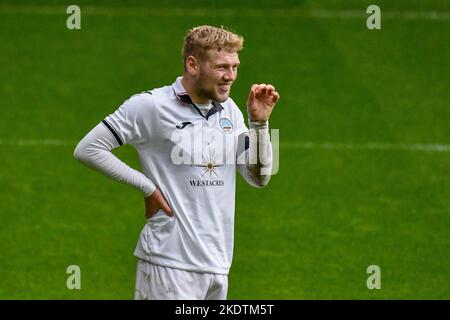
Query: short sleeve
{"type": "Point", "coordinates": [127, 123]}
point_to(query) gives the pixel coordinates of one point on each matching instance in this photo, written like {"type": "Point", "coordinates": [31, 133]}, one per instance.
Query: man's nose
{"type": "Point", "coordinates": [230, 75]}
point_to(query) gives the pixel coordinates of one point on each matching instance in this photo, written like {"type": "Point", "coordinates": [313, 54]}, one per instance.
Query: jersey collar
{"type": "Point", "coordinates": [184, 97]}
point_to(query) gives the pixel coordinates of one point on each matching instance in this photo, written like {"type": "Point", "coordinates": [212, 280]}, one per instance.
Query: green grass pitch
{"type": "Point", "coordinates": [353, 188]}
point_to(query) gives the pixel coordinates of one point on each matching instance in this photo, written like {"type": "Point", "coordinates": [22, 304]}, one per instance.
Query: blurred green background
{"type": "Point", "coordinates": [353, 189]}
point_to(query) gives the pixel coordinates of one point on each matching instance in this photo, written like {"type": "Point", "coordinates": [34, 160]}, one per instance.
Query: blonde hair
{"type": "Point", "coordinates": [200, 39]}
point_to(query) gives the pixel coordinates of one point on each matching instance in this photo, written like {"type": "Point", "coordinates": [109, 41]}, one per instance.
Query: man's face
{"type": "Point", "coordinates": [217, 72]}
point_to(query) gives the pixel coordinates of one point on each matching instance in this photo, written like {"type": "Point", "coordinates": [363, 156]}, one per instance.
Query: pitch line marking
{"type": "Point", "coordinates": [283, 145]}
{"type": "Point", "coordinates": [367, 146]}
{"type": "Point", "coordinates": [227, 12]}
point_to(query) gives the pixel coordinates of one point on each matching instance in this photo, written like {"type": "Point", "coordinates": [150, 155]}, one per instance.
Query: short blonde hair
{"type": "Point", "coordinates": [202, 38]}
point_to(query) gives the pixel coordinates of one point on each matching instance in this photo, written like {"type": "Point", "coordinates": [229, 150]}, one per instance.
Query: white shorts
{"type": "Point", "coordinates": [155, 282]}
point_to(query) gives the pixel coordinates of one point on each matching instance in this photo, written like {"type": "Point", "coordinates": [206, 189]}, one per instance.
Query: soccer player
{"type": "Point", "coordinates": [179, 131]}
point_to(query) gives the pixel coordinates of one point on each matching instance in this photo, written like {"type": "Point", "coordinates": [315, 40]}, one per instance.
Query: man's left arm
{"type": "Point", "coordinates": [256, 166]}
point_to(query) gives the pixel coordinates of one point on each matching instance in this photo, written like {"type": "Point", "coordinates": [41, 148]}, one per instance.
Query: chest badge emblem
{"type": "Point", "coordinates": [226, 125]}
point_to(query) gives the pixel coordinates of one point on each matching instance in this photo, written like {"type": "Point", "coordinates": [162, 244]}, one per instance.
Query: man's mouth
{"type": "Point", "coordinates": [224, 87]}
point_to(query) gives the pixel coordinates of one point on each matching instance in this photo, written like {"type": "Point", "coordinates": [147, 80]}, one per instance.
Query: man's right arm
{"type": "Point", "coordinates": [94, 151]}
{"type": "Point", "coordinates": [124, 126]}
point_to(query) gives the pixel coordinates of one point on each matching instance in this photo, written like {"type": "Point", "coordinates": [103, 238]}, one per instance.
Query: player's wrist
{"type": "Point", "coordinates": [258, 124]}
{"type": "Point", "coordinates": [149, 189]}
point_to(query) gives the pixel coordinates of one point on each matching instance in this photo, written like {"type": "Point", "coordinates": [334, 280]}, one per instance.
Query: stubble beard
{"type": "Point", "coordinates": [210, 93]}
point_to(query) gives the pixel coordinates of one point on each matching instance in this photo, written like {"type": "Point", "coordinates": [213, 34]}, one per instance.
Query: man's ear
{"type": "Point", "coordinates": [192, 65]}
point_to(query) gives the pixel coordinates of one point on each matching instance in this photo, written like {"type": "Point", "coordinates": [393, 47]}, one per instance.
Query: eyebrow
{"type": "Point", "coordinates": [228, 64]}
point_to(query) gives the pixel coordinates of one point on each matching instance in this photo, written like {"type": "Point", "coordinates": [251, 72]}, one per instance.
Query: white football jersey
{"type": "Point", "coordinates": [191, 158]}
